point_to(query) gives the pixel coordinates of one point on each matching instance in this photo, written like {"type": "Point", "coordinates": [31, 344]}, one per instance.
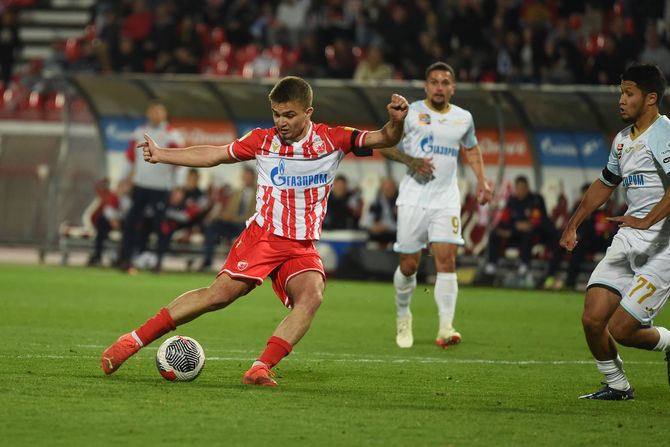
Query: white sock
{"type": "Point", "coordinates": [614, 373]}
{"type": "Point", "coordinates": [404, 287]}
{"type": "Point", "coordinates": [663, 339]}
{"type": "Point", "coordinates": [446, 292]}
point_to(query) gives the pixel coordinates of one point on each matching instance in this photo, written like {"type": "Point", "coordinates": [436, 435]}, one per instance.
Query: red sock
{"type": "Point", "coordinates": [155, 327]}
{"type": "Point", "coordinates": [277, 349]}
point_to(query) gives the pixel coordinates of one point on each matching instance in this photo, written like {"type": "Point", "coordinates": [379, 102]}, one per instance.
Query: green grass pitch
{"type": "Point", "coordinates": [513, 381]}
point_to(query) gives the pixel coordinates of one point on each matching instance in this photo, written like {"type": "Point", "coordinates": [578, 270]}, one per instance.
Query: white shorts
{"type": "Point", "coordinates": [418, 226]}
{"type": "Point", "coordinates": [639, 271]}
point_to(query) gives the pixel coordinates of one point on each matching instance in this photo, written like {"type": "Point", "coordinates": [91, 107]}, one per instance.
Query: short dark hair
{"type": "Point", "coordinates": [292, 88]}
{"type": "Point", "coordinates": [521, 179]}
{"type": "Point", "coordinates": [442, 66]}
{"type": "Point", "coordinates": [648, 77]}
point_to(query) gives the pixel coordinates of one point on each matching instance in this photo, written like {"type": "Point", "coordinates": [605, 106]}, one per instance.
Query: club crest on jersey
{"type": "Point", "coordinates": [424, 119]}
{"type": "Point", "coordinates": [634, 148]}
{"type": "Point", "coordinates": [279, 178]}
{"type": "Point", "coordinates": [619, 148]}
{"type": "Point", "coordinates": [318, 144]}
{"type": "Point", "coordinates": [242, 265]}
{"type": "Point", "coordinates": [274, 148]}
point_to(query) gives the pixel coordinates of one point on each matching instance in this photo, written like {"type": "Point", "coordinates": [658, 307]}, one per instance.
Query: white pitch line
{"type": "Point", "coordinates": [391, 360]}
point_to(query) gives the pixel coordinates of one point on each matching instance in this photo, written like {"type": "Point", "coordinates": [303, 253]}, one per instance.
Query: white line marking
{"type": "Point", "coordinates": [391, 360]}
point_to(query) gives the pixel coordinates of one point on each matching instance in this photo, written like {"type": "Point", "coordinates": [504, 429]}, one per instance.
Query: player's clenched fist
{"type": "Point", "coordinates": [149, 149]}
{"type": "Point", "coordinates": [569, 239]}
{"type": "Point", "coordinates": [398, 107]}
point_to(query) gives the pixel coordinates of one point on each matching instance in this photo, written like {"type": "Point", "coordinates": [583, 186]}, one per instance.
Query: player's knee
{"type": "Point", "coordinates": [309, 301]}
{"type": "Point", "coordinates": [409, 267]}
{"type": "Point", "coordinates": [592, 323]}
{"type": "Point", "coordinates": [217, 297]}
{"type": "Point", "coordinates": [218, 301]}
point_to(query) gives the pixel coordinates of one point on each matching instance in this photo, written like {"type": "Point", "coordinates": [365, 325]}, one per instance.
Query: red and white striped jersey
{"type": "Point", "coordinates": [294, 180]}
{"type": "Point", "coordinates": [153, 176]}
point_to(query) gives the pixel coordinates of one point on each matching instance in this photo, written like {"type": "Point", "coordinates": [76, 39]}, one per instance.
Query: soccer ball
{"type": "Point", "coordinates": [180, 359]}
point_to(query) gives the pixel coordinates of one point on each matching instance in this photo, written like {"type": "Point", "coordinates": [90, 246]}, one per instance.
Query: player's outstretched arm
{"type": "Point", "coordinates": [194, 156]}
{"type": "Point", "coordinates": [390, 134]}
{"type": "Point", "coordinates": [597, 194]}
{"type": "Point", "coordinates": [658, 212]}
{"type": "Point", "coordinates": [423, 166]}
{"type": "Point", "coordinates": [484, 192]}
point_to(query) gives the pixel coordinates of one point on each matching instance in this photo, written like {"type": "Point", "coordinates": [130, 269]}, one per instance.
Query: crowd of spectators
{"type": "Point", "coordinates": [539, 41]}
{"type": "Point", "coordinates": [525, 223]}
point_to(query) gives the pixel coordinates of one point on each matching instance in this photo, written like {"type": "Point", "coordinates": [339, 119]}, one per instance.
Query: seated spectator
{"type": "Point", "coordinates": [381, 221]}
{"type": "Point", "coordinates": [344, 207]}
{"type": "Point", "coordinates": [341, 62]}
{"type": "Point", "coordinates": [594, 236]}
{"type": "Point", "coordinates": [524, 223]}
{"type": "Point", "coordinates": [655, 52]}
{"type": "Point", "coordinates": [228, 219]}
{"type": "Point", "coordinates": [127, 57]}
{"type": "Point", "coordinates": [186, 209]}
{"type": "Point", "coordinates": [108, 215]}
{"type": "Point", "coordinates": [373, 67]}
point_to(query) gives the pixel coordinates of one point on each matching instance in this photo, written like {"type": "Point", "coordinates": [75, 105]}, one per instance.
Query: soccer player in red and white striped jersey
{"type": "Point", "coordinates": [296, 162]}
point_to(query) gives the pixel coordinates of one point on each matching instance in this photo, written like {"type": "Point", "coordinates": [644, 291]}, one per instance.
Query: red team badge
{"type": "Point", "coordinates": [318, 145]}
{"type": "Point", "coordinates": [242, 265]}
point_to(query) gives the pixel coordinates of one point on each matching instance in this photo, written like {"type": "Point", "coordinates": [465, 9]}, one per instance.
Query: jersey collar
{"type": "Point", "coordinates": [443, 111]}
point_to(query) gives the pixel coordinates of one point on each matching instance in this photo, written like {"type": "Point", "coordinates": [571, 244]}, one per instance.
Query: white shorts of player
{"type": "Point", "coordinates": [418, 226]}
{"type": "Point", "coordinates": [639, 270]}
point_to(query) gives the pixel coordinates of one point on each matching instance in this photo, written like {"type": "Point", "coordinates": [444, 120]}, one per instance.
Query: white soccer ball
{"type": "Point", "coordinates": [180, 359]}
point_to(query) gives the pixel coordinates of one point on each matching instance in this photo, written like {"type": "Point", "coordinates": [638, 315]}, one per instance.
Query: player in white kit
{"type": "Point", "coordinates": [631, 284]}
{"type": "Point", "coordinates": [429, 205]}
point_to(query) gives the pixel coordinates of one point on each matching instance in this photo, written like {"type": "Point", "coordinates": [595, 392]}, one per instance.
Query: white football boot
{"type": "Point", "coordinates": [447, 336]}
{"type": "Point", "coordinates": [404, 337]}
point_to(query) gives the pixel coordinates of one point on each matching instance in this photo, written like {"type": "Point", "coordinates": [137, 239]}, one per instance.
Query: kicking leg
{"type": "Point", "coordinates": [188, 306]}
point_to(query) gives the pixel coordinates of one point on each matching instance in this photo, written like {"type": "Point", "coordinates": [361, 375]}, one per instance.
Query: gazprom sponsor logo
{"type": "Point", "coordinates": [426, 145]}
{"type": "Point", "coordinates": [279, 178]}
{"type": "Point", "coordinates": [634, 180]}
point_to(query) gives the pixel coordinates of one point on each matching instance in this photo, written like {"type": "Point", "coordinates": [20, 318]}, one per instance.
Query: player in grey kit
{"type": "Point", "coordinates": [631, 284]}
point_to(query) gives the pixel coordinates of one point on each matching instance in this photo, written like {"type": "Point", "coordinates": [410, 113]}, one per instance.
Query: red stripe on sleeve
{"type": "Point", "coordinates": [361, 139]}
{"type": "Point", "coordinates": [230, 151]}
{"type": "Point", "coordinates": [130, 150]}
